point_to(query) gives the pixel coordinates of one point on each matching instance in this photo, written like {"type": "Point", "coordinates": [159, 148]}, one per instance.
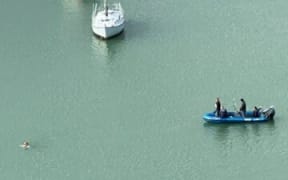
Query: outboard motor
{"type": "Point", "coordinates": [269, 112]}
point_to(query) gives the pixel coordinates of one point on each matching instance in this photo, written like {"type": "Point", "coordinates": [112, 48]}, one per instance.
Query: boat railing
{"type": "Point", "coordinates": [109, 8]}
{"type": "Point", "coordinates": [94, 11]}
{"type": "Point", "coordinates": [120, 8]}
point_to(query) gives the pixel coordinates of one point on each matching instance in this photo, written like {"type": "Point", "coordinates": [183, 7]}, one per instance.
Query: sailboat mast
{"type": "Point", "coordinates": [106, 8]}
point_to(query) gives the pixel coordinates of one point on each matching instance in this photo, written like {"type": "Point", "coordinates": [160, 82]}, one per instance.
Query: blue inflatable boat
{"type": "Point", "coordinates": [263, 115]}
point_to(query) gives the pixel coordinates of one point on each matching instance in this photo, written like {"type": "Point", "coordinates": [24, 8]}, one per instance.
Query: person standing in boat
{"type": "Point", "coordinates": [217, 107]}
{"type": "Point", "coordinates": [223, 112]}
{"type": "Point", "coordinates": [242, 109]}
{"type": "Point", "coordinates": [256, 112]}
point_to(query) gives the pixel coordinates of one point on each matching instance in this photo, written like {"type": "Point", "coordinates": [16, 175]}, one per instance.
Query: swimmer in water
{"type": "Point", "coordinates": [25, 145]}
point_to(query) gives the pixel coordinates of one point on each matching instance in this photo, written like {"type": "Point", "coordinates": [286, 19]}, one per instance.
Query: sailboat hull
{"type": "Point", "coordinates": [108, 22]}
{"type": "Point", "coordinates": [107, 32]}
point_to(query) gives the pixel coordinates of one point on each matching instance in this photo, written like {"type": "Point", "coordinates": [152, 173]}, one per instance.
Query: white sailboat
{"type": "Point", "coordinates": [109, 21]}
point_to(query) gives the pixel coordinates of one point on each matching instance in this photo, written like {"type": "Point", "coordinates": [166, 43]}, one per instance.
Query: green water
{"type": "Point", "coordinates": [131, 107]}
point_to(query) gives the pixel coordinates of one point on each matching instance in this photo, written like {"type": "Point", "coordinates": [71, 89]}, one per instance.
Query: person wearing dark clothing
{"type": "Point", "coordinates": [217, 107]}
{"type": "Point", "coordinates": [223, 112]}
{"type": "Point", "coordinates": [256, 112]}
{"type": "Point", "coordinates": [242, 109]}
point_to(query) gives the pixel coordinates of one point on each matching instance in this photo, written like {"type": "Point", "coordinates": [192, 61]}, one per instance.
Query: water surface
{"type": "Point", "coordinates": [131, 107]}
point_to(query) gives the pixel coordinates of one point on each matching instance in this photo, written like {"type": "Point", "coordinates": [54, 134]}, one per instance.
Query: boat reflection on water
{"type": "Point", "coordinates": [106, 50]}
{"type": "Point", "coordinates": [226, 131]}
{"type": "Point", "coordinates": [104, 54]}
